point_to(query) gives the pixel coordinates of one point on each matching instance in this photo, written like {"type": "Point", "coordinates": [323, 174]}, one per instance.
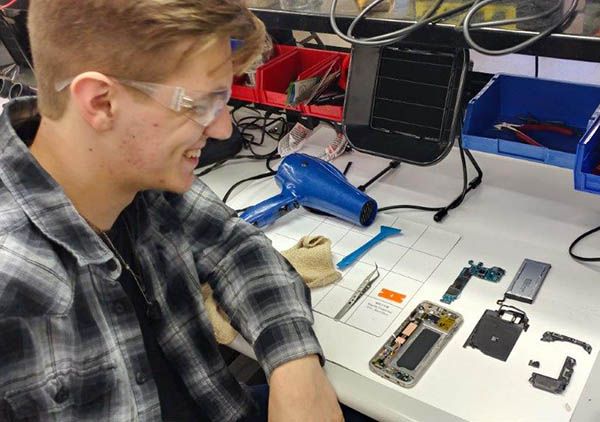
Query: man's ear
{"type": "Point", "coordinates": [93, 95]}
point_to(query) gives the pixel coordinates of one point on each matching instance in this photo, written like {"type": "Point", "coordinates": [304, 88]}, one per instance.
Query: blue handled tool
{"type": "Point", "coordinates": [384, 233]}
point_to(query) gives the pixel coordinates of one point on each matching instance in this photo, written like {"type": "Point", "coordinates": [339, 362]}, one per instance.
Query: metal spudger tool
{"type": "Point", "coordinates": [384, 233]}
{"type": "Point", "coordinates": [362, 289]}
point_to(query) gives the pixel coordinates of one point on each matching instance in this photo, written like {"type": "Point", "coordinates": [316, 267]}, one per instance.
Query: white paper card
{"type": "Point", "coordinates": [373, 316]}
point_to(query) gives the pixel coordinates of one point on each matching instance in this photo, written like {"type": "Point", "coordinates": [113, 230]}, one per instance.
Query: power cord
{"type": "Point", "coordinates": [248, 139]}
{"type": "Point", "coordinates": [442, 212]}
{"type": "Point", "coordinates": [259, 122]}
{"type": "Point", "coordinates": [395, 36]}
{"type": "Point", "coordinates": [579, 239]}
{"type": "Point", "coordinates": [429, 17]}
{"type": "Point", "coordinates": [467, 26]}
{"type": "Point", "coordinates": [248, 179]}
{"type": "Point", "coordinates": [393, 165]}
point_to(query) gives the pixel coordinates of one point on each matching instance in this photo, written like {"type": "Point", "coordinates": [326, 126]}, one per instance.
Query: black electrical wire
{"type": "Point", "coordinates": [442, 212]}
{"type": "Point", "coordinates": [473, 8]}
{"type": "Point", "coordinates": [502, 306]}
{"type": "Point", "coordinates": [249, 123]}
{"type": "Point", "coordinates": [579, 239]}
{"type": "Point", "coordinates": [391, 166]}
{"type": "Point", "coordinates": [434, 7]}
{"type": "Point", "coordinates": [252, 123]}
{"type": "Point", "coordinates": [395, 36]}
{"type": "Point", "coordinates": [467, 26]}
{"type": "Point", "coordinates": [522, 19]}
{"type": "Point", "coordinates": [221, 163]}
{"type": "Point", "coordinates": [347, 168]}
{"type": "Point", "coordinates": [274, 156]}
{"type": "Point", "coordinates": [248, 179]}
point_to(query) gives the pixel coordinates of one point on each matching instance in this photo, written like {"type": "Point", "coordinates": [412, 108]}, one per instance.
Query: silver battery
{"type": "Point", "coordinates": [528, 281]}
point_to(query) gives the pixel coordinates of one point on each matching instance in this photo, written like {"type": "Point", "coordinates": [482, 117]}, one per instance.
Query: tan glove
{"type": "Point", "coordinates": [224, 332]}
{"type": "Point", "coordinates": [312, 258]}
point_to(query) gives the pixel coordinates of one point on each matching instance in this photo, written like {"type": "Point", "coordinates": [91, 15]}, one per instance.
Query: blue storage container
{"type": "Point", "coordinates": [587, 166]}
{"type": "Point", "coordinates": [508, 98]}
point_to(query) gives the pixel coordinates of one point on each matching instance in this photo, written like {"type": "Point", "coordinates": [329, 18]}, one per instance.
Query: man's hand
{"type": "Point", "coordinates": [300, 391]}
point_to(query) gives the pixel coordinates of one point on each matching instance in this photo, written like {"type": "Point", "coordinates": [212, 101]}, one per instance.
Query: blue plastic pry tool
{"type": "Point", "coordinates": [384, 233]}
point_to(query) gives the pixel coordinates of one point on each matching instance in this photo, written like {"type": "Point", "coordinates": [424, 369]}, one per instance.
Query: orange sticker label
{"type": "Point", "coordinates": [391, 295]}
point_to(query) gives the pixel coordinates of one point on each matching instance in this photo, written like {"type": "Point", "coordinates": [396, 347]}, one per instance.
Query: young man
{"type": "Point", "coordinates": [106, 236]}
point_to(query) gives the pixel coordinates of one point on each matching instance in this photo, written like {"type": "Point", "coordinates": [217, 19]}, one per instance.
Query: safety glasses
{"type": "Point", "coordinates": [201, 107]}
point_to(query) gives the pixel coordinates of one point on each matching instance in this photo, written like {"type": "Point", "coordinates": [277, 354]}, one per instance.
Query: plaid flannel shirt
{"type": "Point", "coordinates": [70, 343]}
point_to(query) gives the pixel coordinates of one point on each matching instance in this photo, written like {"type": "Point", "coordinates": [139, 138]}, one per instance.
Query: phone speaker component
{"type": "Point", "coordinates": [493, 274]}
{"type": "Point", "coordinates": [534, 363]}
{"type": "Point", "coordinates": [550, 336]}
{"type": "Point", "coordinates": [495, 335]}
{"type": "Point", "coordinates": [528, 281]}
{"type": "Point", "coordinates": [555, 385]}
{"type": "Point", "coordinates": [407, 354]}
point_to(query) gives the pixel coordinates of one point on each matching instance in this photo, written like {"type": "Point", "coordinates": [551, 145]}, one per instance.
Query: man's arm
{"type": "Point", "coordinates": [275, 299]}
{"type": "Point", "coordinates": [300, 391]}
{"type": "Point", "coordinates": [267, 302]}
{"type": "Point", "coordinates": [265, 298]}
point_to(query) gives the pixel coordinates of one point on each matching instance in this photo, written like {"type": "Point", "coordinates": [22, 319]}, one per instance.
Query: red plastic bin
{"type": "Point", "coordinates": [329, 112]}
{"type": "Point", "coordinates": [273, 79]}
{"type": "Point", "coordinates": [243, 92]}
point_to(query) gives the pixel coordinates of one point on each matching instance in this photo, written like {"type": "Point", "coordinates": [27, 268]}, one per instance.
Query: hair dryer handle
{"type": "Point", "coordinates": [266, 212]}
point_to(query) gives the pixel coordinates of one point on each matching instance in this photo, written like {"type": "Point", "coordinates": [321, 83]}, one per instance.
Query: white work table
{"type": "Point", "coordinates": [521, 210]}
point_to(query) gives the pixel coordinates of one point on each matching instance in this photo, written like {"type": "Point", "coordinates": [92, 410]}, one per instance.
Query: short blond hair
{"type": "Point", "coordinates": [130, 39]}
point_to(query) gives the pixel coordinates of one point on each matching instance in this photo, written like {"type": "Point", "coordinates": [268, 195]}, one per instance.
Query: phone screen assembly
{"type": "Point", "coordinates": [407, 354]}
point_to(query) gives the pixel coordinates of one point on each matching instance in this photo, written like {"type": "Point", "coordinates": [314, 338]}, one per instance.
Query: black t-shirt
{"type": "Point", "coordinates": [176, 403]}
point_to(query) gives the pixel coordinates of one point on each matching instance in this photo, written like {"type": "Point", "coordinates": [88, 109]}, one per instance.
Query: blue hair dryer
{"type": "Point", "coordinates": [313, 183]}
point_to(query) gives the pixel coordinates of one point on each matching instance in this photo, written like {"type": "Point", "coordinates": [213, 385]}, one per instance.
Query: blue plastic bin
{"type": "Point", "coordinates": [508, 98]}
{"type": "Point", "coordinates": [588, 159]}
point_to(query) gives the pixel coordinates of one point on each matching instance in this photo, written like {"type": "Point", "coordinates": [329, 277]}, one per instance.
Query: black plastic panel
{"type": "Point", "coordinates": [400, 102]}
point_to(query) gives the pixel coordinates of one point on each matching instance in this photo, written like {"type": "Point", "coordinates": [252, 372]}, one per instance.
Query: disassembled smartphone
{"type": "Point", "coordinates": [407, 354]}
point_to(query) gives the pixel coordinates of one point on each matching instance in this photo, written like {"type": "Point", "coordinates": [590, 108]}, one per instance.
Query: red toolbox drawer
{"type": "Point", "coordinates": [241, 91]}
{"type": "Point", "coordinates": [274, 78]}
{"type": "Point", "coordinates": [328, 112]}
